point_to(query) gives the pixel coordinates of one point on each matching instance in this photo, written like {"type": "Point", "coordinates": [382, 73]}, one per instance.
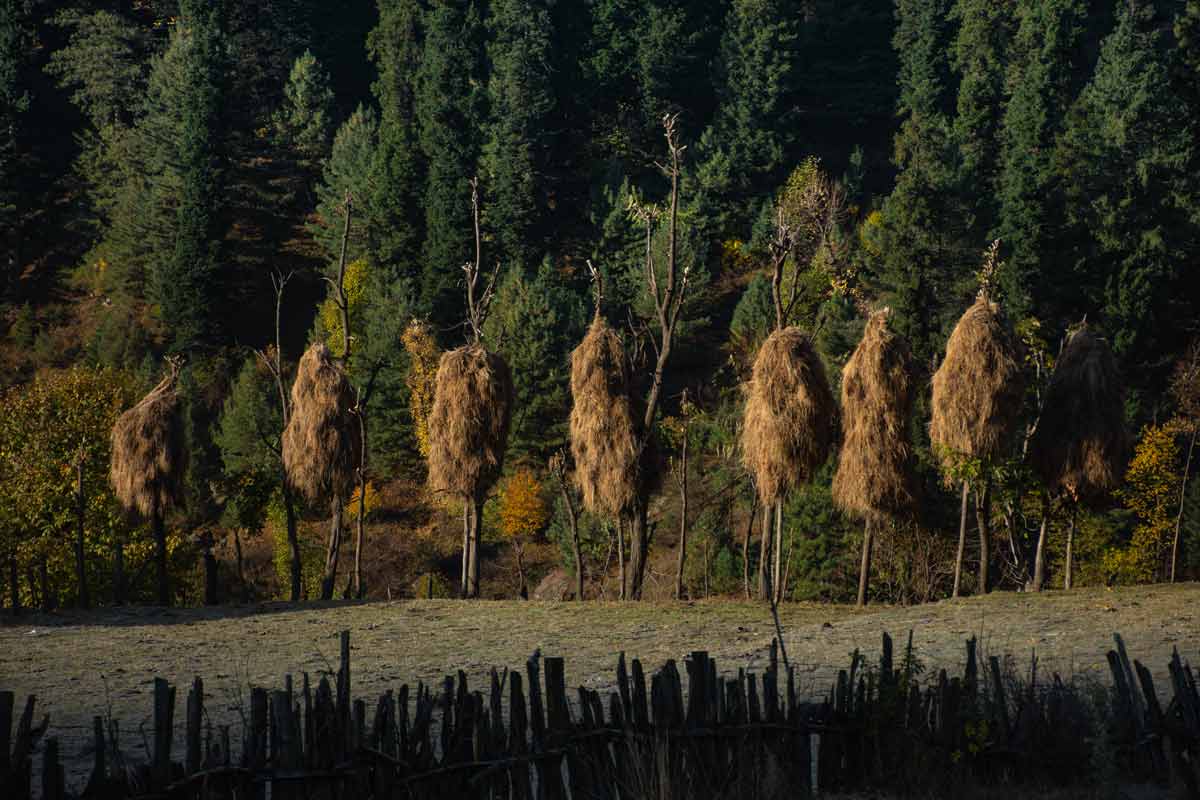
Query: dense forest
{"type": "Point", "coordinates": [207, 190]}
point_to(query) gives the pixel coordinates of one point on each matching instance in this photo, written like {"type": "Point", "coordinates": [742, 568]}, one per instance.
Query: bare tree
{"type": "Point", "coordinates": [681, 478]}
{"type": "Point", "coordinates": [1185, 387]}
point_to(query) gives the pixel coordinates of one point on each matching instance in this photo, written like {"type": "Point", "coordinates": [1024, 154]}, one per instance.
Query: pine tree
{"type": "Point", "coordinates": [349, 171]}
{"type": "Point", "coordinates": [980, 50]}
{"type": "Point", "coordinates": [516, 156]}
{"type": "Point", "coordinates": [921, 263]}
{"type": "Point", "coordinates": [398, 184]}
{"type": "Point", "coordinates": [14, 103]}
{"type": "Point", "coordinates": [449, 107]}
{"type": "Point", "coordinates": [745, 148]}
{"type": "Point", "coordinates": [1041, 86]}
{"type": "Point", "coordinates": [1121, 160]}
{"type": "Point", "coordinates": [304, 122]}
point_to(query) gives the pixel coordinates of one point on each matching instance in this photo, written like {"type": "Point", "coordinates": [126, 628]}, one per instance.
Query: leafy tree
{"type": "Point", "coordinates": [304, 123]}
{"type": "Point", "coordinates": [1151, 493]}
{"type": "Point", "coordinates": [524, 514]}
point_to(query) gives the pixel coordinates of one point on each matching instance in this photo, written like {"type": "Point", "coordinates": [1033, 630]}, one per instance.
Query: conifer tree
{"type": "Point", "coordinates": [14, 103]}
{"type": "Point", "coordinates": [521, 100]}
{"type": "Point", "coordinates": [449, 107]}
{"type": "Point", "coordinates": [304, 122]}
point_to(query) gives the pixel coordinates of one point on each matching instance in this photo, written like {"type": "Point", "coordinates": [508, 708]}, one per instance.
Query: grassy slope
{"type": "Point", "coordinates": [73, 662]}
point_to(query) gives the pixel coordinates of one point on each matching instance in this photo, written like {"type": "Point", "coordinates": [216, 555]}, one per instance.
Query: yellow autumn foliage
{"type": "Point", "coordinates": [424, 356]}
{"type": "Point", "coordinates": [1150, 492]}
{"type": "Point", "coordinates": [523, 509]}
{"type": "Point", "coordinates": [373, 500]}
{"type": "Point", "coordinates": [331, 315]}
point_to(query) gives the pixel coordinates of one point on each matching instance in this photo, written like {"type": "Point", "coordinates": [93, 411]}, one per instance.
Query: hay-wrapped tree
{"type": "Point", "coordinates": [322, 443]}
{"type": "Point", "coordinates": [469, 420]}
{"type": "Point", "coordinates": [977, 397]}
{"type": "Point", "coordinates": [1080, 446]}
{"type": "Point", "coordinates": [603, 426]}
{"type": "Point", "coordinates": [790, 417]}
{"type": "Point", "coordinates": [874, 475]}
{"type": "Point", "coordinates": [148, 463]}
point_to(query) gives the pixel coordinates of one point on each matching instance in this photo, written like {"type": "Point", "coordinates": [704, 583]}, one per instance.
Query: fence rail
{"type": "Point", "coordinates": [744, 736]}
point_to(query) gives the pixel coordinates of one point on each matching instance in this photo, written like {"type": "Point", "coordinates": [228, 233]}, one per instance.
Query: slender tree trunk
{"type": "Point", "coordinates": [983, 515]}
{"type": "Point", "coordinates": [746, 545]}
{"type": "Point", "coordinates": [334, 549]}
{"type": "Point", "coordinates": [476, 529]}
{"type": "Point", "coordinates": [210, 575]}
{"type": "Point", "coordinates": [683, 519]}
{"type": "Point", "coordinates": [639, 549]}
{"type": "Point", "coordinates": [523, 591]}
{"type": "Point", "coordinates": [289, 510]}
{"type": "Point", "coordinates": [359, 589]}
{"type": "Point", "coordinates": [764, 555]}
{"type": "Point", "coordinates": [244, 589]}
{"type": "Point", "coordinates": [962, 539]}
{"type": "Point", "coordinates": [34, 599]}
{"type": "Point", "coordinates": [864, 568]}
{"type": "Point", "coordinates": [621, 557]}
{"type": "Point", "coordinates": [80, 566]}
{"type": "Point", "coordinates": [14, 584]}
{"type": "Point", "coordinates": [1187, 466]}
{"type": "Point", "coordinates": [574, 521]}
{"type": "Point", "coordinates": [1039, 559]}
{"type": "Point", "coordinates": [48, 600]}
{"type": "Point", "coordinates": [464, 586]}
{"type": "Point", "coordinates": [777, 574]}
{"type": "Point", "coordinates": [160, 556]}
{"type": "Point", "coordinates": [118, 572]}
{"type": "Point", "coordinates": [706, 567]}
{"type": "Point", "coordinates": [1070, 548]}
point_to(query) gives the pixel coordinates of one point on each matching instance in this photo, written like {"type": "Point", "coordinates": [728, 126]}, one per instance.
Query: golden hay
{"type": "Point", "coordinates": [874, 476]}
{"type": "Point", "coordinates": [1080, 445]}
{"type": "Point", "coordinates": [148, 456]}
{"type": "Point", "coordinates": [322, 442]}
{"type": "Point", "coordinates": [603, 427]}
{"type": "Point", "coordinates": [979, 387]}
{"type": "Point", "coordinates": [790, 415]}
{"type": "Point", "coordinates": [468, 424]}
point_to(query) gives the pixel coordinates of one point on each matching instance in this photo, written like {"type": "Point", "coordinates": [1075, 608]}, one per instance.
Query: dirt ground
{"type": "Point", "coordinates": [83, 664]}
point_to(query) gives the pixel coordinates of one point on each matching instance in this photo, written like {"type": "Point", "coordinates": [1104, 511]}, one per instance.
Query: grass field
{"type": "Point", "coordinates": [81, 664]}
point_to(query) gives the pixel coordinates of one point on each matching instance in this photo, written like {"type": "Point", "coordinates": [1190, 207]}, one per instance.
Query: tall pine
{"type": "Point", "coordinates": [14, 102]}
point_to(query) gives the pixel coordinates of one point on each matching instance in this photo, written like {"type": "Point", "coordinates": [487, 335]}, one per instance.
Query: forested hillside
{"type": "Point", "coordinates": [204, 190]}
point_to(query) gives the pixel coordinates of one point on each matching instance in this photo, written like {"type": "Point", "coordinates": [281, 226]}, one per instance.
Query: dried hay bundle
{"type": "Point", "coordinates": [1080, 445]}
{"type": "Point", "coordinates": [874, 477]}
{"type": "Point", "coordinates": [468, 424]}
{"type": "Point", "coordinates": [322, 443]}
{"type": "Point", "coordinates": [790, 415]}
{"type": "Point", "coordinates": [148, 455]}
{"type": "Point", "coordinates": [603, 426]}
{"type": "Point", "coordinates": [978, 389]}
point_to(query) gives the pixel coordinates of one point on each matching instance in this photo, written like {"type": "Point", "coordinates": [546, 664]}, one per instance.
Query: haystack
{"type": "Point", "coordinates": [1080, 446]}
{"type": "Point", "coordinates": [978, 389]}
{"type": "Point", "coordinates": [874, 476]}
{"type": "Point", "coordinates": [322, 442]}
{"type": "Point", "coordinates": [148, 456]}
{"type": "Point", "coordinates": [603, 427]}
{"type": "Point", "coordinates": [468, 424]}
{"type": "Point", "coordinates": [790, 415]}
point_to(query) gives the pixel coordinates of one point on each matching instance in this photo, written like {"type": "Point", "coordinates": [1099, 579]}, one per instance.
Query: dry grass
{"type": "Point", "coordinates": [148, 454]}
{"type": "Point", "coordinates": [603, 427]}
{"type": "Point", "coordinates": [468, 424]}
{"type": "Point", "coordinates": [790, 416]}
{"type": "Point", "coordinates": [979, 387]}
{"type": "Point", "coordinates": [874, 475]}
{"type": "Point", "coordinates": [322, 442]}
{"type": "Point", "coordinates": [1081, 445]}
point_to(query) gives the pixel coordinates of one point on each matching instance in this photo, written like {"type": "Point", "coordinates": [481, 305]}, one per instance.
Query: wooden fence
{"type": "Point", "coordinates": [743, 736]}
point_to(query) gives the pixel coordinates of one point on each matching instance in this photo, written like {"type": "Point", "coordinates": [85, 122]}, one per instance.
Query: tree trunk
{"type": "Point", "coordinates": [360, 590]}
{"type": "Point", "coordinates": [80, 566]}
{"type": "Point", "coordinates": [476, 529]}
{"type": "Point", "coordinates": [334, 548]}
{"type": "Point", "coordinates": [524, 590]}
{"type": "Point", "coordinates": [864, 569]}
{"type": "Point", "coordinates": [160, 556]}
{"type": "Point", "coordinates": [683, 513]}
{"type": "Point", "coordinates": [764, 555]}
{"type": "Point", "coordinates": [1187, 466]}
{"type": "Point", "coordinates": [962, 539]}
{"type": "Point", "coordinates": [14, 585]}
{"type": "Point", "coordinates": [241, 570]}
{"type": "Point", "coordinates": [777, 574]}
{"type": "Point", "coordinates": [639, 549]}
{"type": "Point", "coordinates": [464, 586]}
{"type": "Point", "coordinates": [48, 600]}
{"type": "Point", "coordinates": [1039, 559]}
{"type": "Point", "coordinates": [983, 515]}
{"type": "Point", "coordinates": [210, 576]}
{"type": "Point", "coordinates": [706, 567]}
{"type": "Point", "coordinates": [118, 573]}
{"type": "Point", "coordinates": [574, 520]}
{"type": "Point", "coordinates": [621, 556]}
{"type": "Point", "coordinates": [746, 545]}
{"type": "Point", "coordinates": [297, 580]}
{"type": "Point", "coordinates": [1070, 548]}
